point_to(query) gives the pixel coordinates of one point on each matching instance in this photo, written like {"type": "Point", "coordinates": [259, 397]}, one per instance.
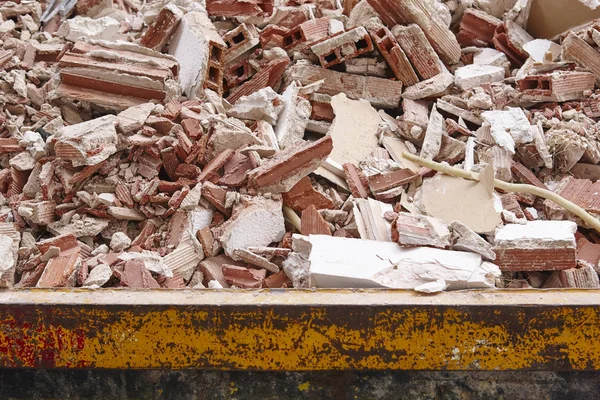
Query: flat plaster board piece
{"type": "Point", "coordinates": [456, 199]}
{"type": "Point", "coordinates": [354, 129]}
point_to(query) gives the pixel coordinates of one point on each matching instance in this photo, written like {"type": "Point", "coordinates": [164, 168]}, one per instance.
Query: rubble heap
{"type": "Point", "coordinates": [297, 143]}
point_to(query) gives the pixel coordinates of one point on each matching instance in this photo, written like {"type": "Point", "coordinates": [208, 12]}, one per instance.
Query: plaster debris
{"type": "Point", "coordinates": [454, 199]}
{"type": "Point", "coordinates": [105, 28]}
{"type": "Point", "coordinates": [354, 129]}
{"type": "Point", "coordinates": [509, 127]}
{"type": "Point", "coordinates": [98, 276]}
{"type": "Point", "coordinates": [342, 262]}
{"type": "Point", "coordinates": [474, 75]}
{"type": "Point", "coordinates": [119, 242]}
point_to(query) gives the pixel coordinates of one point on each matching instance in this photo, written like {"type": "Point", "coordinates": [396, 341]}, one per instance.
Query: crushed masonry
{"type": "Point", "coordinates": [263, 144]}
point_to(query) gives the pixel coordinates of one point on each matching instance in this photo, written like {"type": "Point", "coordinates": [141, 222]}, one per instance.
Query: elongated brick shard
{"type": "Point", "coordinates": [162, 28]}
{"type": "Point", "coordinates": [280, 173]}
{"type": "Point", "coordinates": [312, 223]}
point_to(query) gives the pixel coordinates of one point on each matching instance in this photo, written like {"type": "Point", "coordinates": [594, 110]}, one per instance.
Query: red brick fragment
{"type": "Point", "coordinates": [162, 28]}
{"type": "Point", "coordinates": [242, 277]}
{"type": "Point", "coordinates": [136, 276]}
{"type": "Point", "coordinates": [391, 179]}
{"type": "Point", "coordinates": [303, 195]}
{"type": "Point", "coordinates": [235, 8]}
{"type": "Point", "coordinates": [525, 175]}
{"type": "Point", "coordinates": [312, 223]}
{"type": "Point", "coordinates": [394, 55]}
{"type": "Point", "coordinates": [357, 182]}
{"type": "Point", "coordinates": [269, 75]}
{"type": "Point", "coordinates": [477, 28]}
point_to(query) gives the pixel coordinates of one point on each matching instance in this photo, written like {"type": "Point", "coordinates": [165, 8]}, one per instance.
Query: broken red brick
{"type": "Point", "coordinates": [357, 182]}
{"type": "Point", "coordinates": [233, 8]}
{"type": "Point", "coordinates": [282, 172]}
{"type": "Point", "coordinates": [162, 28]}
{"type": "Point", "coordinates": [312, 223]}
{"type": "Point", "coordinates": [418, 50]}
{"type": "Point", "coordinates": [242, 277]}
{"type": "Point", "coordinates": [394, 56]}
{"type": "Point", "coordinates": [389, 180]}
{"type": "Point", "coordinates": [342, 47]}
{"type": "Point", "coordinates": [302, 195]}
{"type": "Point", "coordinates": [477, 28]}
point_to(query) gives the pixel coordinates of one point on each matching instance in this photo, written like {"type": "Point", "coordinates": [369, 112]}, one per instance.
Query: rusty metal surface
{"type": "Point", "coordinates": [290, 330]}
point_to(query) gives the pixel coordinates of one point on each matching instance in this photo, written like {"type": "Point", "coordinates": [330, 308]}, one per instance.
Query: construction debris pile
{"type": "Point", "coordinates": [296, 143]}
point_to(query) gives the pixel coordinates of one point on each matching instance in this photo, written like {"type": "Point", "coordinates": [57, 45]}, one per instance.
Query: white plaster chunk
{"type": "Point", "coordinates": [356, 263]}
{"type": "Point", "coordinates": [256, 222]}
{"type": "Point", "coordinates": [467, 240]}
{"type": "Point", "coordinates": [133, 118]}
{"type": "Point", "coordinates": [98, 276]}
{"type": "Point", "coordinates": [19, 85]}
{"type": "Point", "coordinates": [102, 249]}
{"type": "Point", "coordinates": [475, 75]}
{"type": "Point", "coordinates": [354, 129]}
{"type": "Point", "coordinates": [263, 104]}
{"type": "Point", "coordinates": [488, 56]}
{"type": "Point", "coordinates": [432, 87]}
{"type": "Point", "coordinates": [509, 127]}
{"type": "Point", "coordinates": [7, 26]}
{"type": "Point", "coordinates": [105, 28]}
{"type": "Point", "coordinates": [432, 141]}
{"type": "Point", "coordinates": [535, 233]}
{"type": "Point", "coordinates": [23, 161]}
{"type": "Point", "coordinates": [533, 212]}
{"type": "Point", "coordinates": [432, 287]}
{"type": "Point", "coordinates": [294, 117]}
{"type": "Point", "coordinates": [119, 241]}
{"type": "Point", "coordinates": [543, 50]}
{"type": "Point", "coordinates": [455, 199]}
{"type": "Point", "coordinates": [88, 137]}
{"type": "Point", "coordinates": [593, 4]}
{"type": "Point", "coordinates": [34, 143]}
{"type": "Point", "coordinates": [200, 217]}
{"type": "Point", "coordinates": [7, 257]}
{"type": "Point", "coordinates": [296, 269]}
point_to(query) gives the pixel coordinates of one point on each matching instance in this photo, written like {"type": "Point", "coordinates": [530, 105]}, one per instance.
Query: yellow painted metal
{"type": "Point", "coordinates": [301, 330]}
